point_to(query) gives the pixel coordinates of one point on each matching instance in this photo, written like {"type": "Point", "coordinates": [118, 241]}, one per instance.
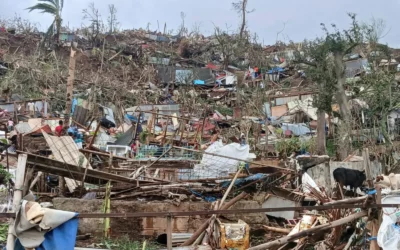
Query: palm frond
{"type": "Point", "coordinates": [49, 1]}
{"type": "Point", "coordinates": [50, 31]}
{"type": "Point", "coordinates": [44, 8]}
{"type": "Point", "coordinates": [59, 4]}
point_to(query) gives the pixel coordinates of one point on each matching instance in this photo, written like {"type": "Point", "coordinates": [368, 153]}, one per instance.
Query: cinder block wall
{"type": "Point", "coordinates": [139, 227]}
{"type": "Point", "coordinates": [317, 173]}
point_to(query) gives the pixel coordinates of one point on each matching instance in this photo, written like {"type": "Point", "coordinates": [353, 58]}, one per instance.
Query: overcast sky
{"type": "Point", "coordinates": [298, 19]}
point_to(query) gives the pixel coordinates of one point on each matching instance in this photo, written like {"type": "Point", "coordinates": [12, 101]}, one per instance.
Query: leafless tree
{"type": "Point", "coordinates": [112, 18]}
{"type": "Point", "coordinates": [182, 29]}
{"type": "Point", "coordinates": [96, 23]}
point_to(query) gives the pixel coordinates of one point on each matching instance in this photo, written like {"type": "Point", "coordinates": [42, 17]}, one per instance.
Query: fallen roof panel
{"type": "Point", "coordinates": [75, 172]}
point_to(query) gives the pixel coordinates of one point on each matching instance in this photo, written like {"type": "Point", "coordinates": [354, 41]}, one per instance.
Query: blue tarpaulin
{"type": "Point", "coordinates": [206, 198]}
{"type": "Point", "coordinates": [243, 181]}
{"type": "Point", "coordinates": [199, 82]}
{"type": "Point", "coordinates": [275, 70]}
{"type": "Point", "coordinates": [62, 237]}
{"type": "Point", "coordinates": [297, 129]}
{"type": "Point", "coordinates": [74, 103]}
{"type": "Point", "coordinates": [131, 118]}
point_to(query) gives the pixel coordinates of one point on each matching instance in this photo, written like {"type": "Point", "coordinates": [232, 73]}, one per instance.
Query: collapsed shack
{"type": "Point", "coordinates": [230, 200]}
{"type": "Point", "coordinates": [185, 179]}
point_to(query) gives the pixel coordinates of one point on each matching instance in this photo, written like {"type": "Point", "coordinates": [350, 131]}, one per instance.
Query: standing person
{"type": "Point", "coordinates": [10, 125]}
{"type": "Point", "coordinates": [59, 128]}
{"type": "Point", "coordinates": [31, 108]}
{"type": "Point", "coordinates": [256, 71]}
{"type": "Point", "coordinates": [134, 149]}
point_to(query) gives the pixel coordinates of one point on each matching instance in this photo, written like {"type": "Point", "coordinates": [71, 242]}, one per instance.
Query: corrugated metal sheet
{"type": "Point", "coordinates": [167, 109]}
{"type": "Point", "coordinates": [184, 76]}
{"type": "Point", "coordinates": [304, 97]}
{"type": "Point", "coordinates": [8, 107]}
{"type": "Point", "coordinates": [355, 67]}
{"type": "Point", "coordinates": [161, 61]}
{"type": "Point", "coordinates": [284, 100]}
{"type": "Point", "coordinates": [81, 115]}
{"type": "Point", "coordinates": [65, 150]}
{"type": "Point", "coordinates": [166, 74]}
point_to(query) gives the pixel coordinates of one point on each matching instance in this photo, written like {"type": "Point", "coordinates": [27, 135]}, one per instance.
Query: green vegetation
{"type": "Point", "coordinates": [54, 8]}
{"type": "Point", "coordinates": [125, 244]}
{"type": "Point", "coordinates": [3, 233]}
{"type": "Point", "coordinates": [286, 147]}
{"type": "Point", "coordinates": [6, 175]}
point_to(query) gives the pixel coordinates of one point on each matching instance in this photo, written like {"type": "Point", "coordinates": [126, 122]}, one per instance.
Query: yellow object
{"type": "Point", "coordinates": [106, 209]}
{"type": "Point", "coordinates": [235, 236]}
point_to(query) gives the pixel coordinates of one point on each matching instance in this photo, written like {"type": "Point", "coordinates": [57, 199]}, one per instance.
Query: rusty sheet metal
{"type": "Point", "coordinates": [81, 115]}
{"type": "Point", "coordinates": [279, 110]}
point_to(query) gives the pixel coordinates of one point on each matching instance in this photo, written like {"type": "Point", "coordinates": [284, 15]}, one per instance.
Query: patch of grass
{"type": "Point", "coordinates": [125, 243]}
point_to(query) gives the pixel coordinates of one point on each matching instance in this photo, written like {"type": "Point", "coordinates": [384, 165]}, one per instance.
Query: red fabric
{"type": "Point", "coordinates": [59, 130]}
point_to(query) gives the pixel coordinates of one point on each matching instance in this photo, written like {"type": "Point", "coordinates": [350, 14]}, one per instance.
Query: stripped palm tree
{"type": "Point", "coordinates": [53, 7]}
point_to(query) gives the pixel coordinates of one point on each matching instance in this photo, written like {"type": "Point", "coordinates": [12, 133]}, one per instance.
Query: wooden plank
{"type": "Point", "coordinates": [169, 232]}
{"type": "Point", "coordinates": [51, 166]}
{"type": "Point", "coordinates": [19, 181]}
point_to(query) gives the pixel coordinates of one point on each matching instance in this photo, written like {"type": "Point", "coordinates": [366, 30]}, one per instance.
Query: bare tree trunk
{"type": "Point", "coordinates": [321, 134]}
{"type": "Point", "coordinates": [70, 86]}
{"type": "Point", "coordinates": [244, 6]}
{"type": "Point", "coordinates": [341, 98]}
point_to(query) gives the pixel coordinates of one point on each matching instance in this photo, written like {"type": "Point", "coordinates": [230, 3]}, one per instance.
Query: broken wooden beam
{"type": "Point", "coordinates": [278, 229]}
{"type": "Point", "coordinates": [348, 201]}
{"type": "Point", "coordinates": [308, 232]}
{"type": "Point", "coordinates": [102, 154]}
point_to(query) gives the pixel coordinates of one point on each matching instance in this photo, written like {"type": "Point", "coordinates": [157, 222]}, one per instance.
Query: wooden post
{"type": "Point", "coordinates": [94, 136]}
{"type": "Point", "coordinates": [327, 173]}
{"type": "Point", "coordinates": [164, 133]}
{"type": "Point", "coordinates": [169, 232]}
{"type": "Point", "coordinates": [379, 201]}
{"type": "Point", "coordinates": [367, 168]}
{"type": "Point", "coordinates": [19, 182]}
{"type": "Point", "coordinates": [70, 86]}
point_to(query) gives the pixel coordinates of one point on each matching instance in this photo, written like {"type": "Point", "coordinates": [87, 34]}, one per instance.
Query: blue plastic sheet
{"type": "Point", "coordinates": [243, 181]}
{"type": "Point", "coordinates": [62, 237]}
{"type": "Point", "coordinates": [206, 198]}
{"type": "Point", "coordinates": [199, 82]}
